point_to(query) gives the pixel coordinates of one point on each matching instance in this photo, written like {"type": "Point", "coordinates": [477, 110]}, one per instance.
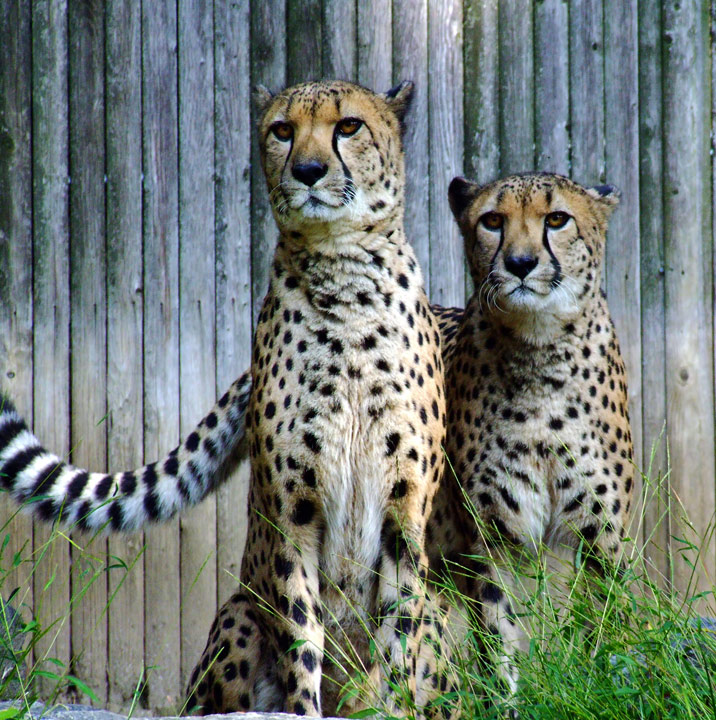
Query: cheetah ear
{"type": "Point", "coordinates": [607, 196]}
{"type": "Point", "coordinates": [262, 99]}
{"type": "Point", "coordinates": [460, 194]}
{"type": "Point", "coordinates": [399, 98]}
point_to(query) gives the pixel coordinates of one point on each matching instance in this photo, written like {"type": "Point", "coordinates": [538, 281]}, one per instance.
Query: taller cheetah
{"type": "Point", "coordinates": [345, 423]}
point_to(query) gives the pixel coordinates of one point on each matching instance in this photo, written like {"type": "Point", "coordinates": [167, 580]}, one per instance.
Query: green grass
{"type": "Point", "coordinates": [626, 645]}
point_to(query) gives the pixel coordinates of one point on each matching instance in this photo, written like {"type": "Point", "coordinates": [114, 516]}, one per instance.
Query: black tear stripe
{"type": "Point", "coordinates": [499, 247]}
{"type": "Point", "coordinates": [348, 192]}
{"type": "Point", "coordinates": [557, 277]}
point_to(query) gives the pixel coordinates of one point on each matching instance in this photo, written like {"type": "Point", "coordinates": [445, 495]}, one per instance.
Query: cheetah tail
{"type": "Point", "coordinates": [51, 489]}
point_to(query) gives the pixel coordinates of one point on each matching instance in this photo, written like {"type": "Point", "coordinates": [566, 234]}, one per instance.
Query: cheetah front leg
{"type": "Point", "coordinates": [401, 597]}
{"type": "Point", "coordinates": [296, 623]}
{"type": "Point", "coordinates": [492, 609]}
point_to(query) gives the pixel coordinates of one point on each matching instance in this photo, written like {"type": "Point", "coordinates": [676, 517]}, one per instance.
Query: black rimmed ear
{"type": "Point", "coordinates": [399, 98]}
{"type": "Point", "coordinates": [262, 99]}
{"type": "Point", "coordinates": [606, 195]}
{"type": "Point", "coordinates": [460, 194]}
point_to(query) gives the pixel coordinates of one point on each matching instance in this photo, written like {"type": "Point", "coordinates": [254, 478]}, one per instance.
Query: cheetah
{"type": "Point", "coordinates": [345, 420]}
{"type": "Point", "coordinates": [538, 427]}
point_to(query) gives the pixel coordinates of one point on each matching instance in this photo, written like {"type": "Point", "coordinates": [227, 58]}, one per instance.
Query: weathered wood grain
{"type": "Point", "coordinates": [447, 274]}
{"type": "Point", "coordinates": [161, 340]}
{"type": "Point", "coordinates": [586, 91]}
{"type": "Point", "coordinates": [656, 526]}
{"type": "Point", "coordinates": [551, 84]}
{"type": "Point", "coordinates": [688, 248]}
{"type": "Point", "coordinates": [481, 91]}
{"type": "Point", "coordinates": [375, 44]}
{"type": "Point", "coordinates": [88, 318]}
{"type": "Point", "coordinates": [268, 67]}
{"type": "Point", "coordinates": [51, 302]}
{"type": "Point", "coordinates": [197, 307]}
{"type": "Point", "coordinates": [516, 86]}
{"type": "Point", "coordinates": [123, 97]}
{"type": "Point", "coordinates": [410, 62]}
{"type": "Point", "coordinates": [233, 260]}
{"type": "Point", "coordinates": [304, 54]}
{"type": "Point", "coordinates": [340, 52]}
{"type": "Point", "coordinates": [16, 370]}
{"type": "Point", "coordinates": [621, 49]}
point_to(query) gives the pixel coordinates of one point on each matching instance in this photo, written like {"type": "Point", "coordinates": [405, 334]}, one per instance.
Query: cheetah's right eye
{"type": "Point", "coordinates": [492, 220]}
{"type": "Point", "coordinates": [282, 131]}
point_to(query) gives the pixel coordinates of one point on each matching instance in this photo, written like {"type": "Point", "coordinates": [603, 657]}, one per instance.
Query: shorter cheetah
{"type": "Point", "coordinates": [538, 429]}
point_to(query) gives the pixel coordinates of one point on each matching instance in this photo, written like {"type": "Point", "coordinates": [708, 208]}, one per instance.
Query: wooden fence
{"type": "Point", "coordinates": [135, 238]}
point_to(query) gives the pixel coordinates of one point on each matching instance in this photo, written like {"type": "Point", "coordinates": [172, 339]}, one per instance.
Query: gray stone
{"type": "Point", "coordinates": [83, 712]}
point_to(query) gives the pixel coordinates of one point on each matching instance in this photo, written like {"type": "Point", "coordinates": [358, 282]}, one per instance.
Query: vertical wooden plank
{"type": "Point", "coordinates": [88, 322]}
{"type": "Point", "coordinates": [161, 347]}
{"type": "Point", "coordinates": [268, 67]}
{"type": "Point", "coordinates": [340, 49]}
{"type": "Point", "coordinates": [410, 62]}
{"type": "Point", "coordinates": [304, 41]}
{"type": "Point", "coordinates": [375, 44]}
{"type": "Point", "coordinates": [197, 363]}
{"type": "Point", "coordinates": [622, 169]}
{"type": "Point", "coordinates": [16, 268]}
{"type": "Point", "coordinates": [233, 260]}
{"type": "Point", "coordinates": [482, 88]}
{"type": "Point", "coordinates": [124, 331]}
{"type": "Point", "coordinates": [447, 275]}
{"type": "Point", "coordinates": [687, 248]}
{"type": "Point", "coordinates": [586, 91]}
{"type": "Point", "coordinates": [656, 521]}
{"type": "Point", "coordinates": [516, 87]}
{"type": "Point", "coordinates": [51, 300]}
{"type": "Point", "coordinates": [551, 42]}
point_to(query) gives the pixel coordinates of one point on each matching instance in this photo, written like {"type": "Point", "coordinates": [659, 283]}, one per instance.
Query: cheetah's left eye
{"type": "Point", "coordinates": [556, 220]}
{"type": "Point", "coordinates": [348, 126]}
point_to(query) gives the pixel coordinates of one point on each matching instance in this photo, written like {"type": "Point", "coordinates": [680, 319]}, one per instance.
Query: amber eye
{"type": "Point", "coordinates": [556, 220]}
{"type": "Point", "coordinates": [283, 131]}
{"type": "Point", "coordinates": [492, 221]}
{"type": "Point", "coordinates": [348, 126]}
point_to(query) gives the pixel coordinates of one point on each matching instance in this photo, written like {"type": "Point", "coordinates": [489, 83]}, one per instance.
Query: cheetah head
{"type": "Point", "coordinates": [332, 155]}
{"type": "Point", "coordinates": [534, 243]}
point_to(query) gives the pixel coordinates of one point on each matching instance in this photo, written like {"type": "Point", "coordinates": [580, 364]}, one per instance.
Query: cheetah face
{"type": "Point", "coordinates": [332, 153]}
{"type": "Point", "coordinates": [534, 242]}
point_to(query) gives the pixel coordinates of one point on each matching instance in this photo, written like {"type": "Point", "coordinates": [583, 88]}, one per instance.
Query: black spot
{"type": "Point", "coordinates": [309, 660]}
{"type": "Point", "coordinates": [555, 423]}
{"type": "Point", "coordinates": [192, 442]}
{"type": "Point", "coordinates": [171, 466]}
{"type": "Point", "coordinates": [303, 512]}
{"type": "Point", "coordinates": [283, 567]}
{"type": "Point", "coordinates": [392, 441]}
{"type": "Point", "coordinates": [309, 477]}
{"type": "Point", "coordinates": [400, 489]}
{"type": "Point", "coordinates": [403, 281]}
{"type": "Point", "coordinates": [270, 410]}
{"type": "Point", "coordinates": [311, 442]}
{"type": "Point", "coordinates": [491, 593]}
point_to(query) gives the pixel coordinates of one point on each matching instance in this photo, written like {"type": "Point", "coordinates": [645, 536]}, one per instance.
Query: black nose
{"type": "Point", "coordinates": [309, 173]}
{"type": "Point", "coordinates": [520, 265]}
